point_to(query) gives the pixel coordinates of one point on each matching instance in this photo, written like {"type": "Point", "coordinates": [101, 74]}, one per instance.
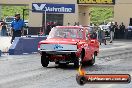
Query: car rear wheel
{"type": "Point", "coordinates": [44, 61]}
{"type": "Point", "coordinates": [92, 61]}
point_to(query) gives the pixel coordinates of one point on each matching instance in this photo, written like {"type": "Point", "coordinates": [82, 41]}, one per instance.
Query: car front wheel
{"type": "Point", "coordinates": [44, 61]}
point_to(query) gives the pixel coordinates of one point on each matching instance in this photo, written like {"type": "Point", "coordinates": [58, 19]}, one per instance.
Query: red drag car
{"type": "Point", "coordinates": [68, 44]}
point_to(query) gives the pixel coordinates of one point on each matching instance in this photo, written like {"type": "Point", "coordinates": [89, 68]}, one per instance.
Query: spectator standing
{"type": "Point", "coordinates": [17, 27]}
{"type": "Point", "coordinates": [126, 32]}
{"type": "Point", "coordinates": [54, 24]}
{"type": "Point", "coordinates": [93, 35]}
{"type": "Point", "coordinates": [112, 30]}
{"type": "Point", "coordinates": [101, 36]}
{"type": "Point", "coordinates": [116, 33]}
{"type": "Point", "coordinates": [122, 30]}
{"type": "Point", "coordinates": [3, 29]}
{"type": "Point", "coordinates": [48, 29]}
{"type": "Point", "coordinates": [40, 33]}
{"type": "Point", "coordinates": [75, 24]}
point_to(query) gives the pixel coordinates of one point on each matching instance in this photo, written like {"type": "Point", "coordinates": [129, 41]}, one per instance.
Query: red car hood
{"type": "Point", "coordinates": [60, 41]}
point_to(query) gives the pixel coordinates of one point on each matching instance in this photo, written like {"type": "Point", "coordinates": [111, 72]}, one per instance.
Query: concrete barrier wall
{"type": "Point", "coordinates": [25, 45]}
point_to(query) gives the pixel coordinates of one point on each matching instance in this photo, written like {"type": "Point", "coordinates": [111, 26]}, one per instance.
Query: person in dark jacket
{"type": "Point", "coordinates": [116, 33]}
{"type": "Point", "coordinates": [112, 30]}
{"type": "Point", "coordinates": [122, 30]}
{"type": "Point", "coordinates": [48, 29]}
{"type": "Point", "coordinates": [93, 35]}
{"type": "Point", "coordinates": [101, 36]}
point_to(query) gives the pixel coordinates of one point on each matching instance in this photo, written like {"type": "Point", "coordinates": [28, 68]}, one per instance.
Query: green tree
{"type": "Point", "coordinates": [101, 14]}
{"type": "Point", "coordinates": [11, 10]}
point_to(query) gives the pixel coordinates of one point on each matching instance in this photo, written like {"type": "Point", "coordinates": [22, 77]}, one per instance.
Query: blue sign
{"type": "Point", "coordinates": [53, 8]}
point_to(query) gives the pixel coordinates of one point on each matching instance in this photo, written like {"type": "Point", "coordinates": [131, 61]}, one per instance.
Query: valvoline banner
{"type": "Point", "coordinates": [53, 8]}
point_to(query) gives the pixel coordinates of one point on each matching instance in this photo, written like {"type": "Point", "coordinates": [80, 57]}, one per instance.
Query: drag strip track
{"type": "Point", "coordinates": [26, 71]}
{"type": "Point", "coordinates": [115, 55]}
{"type": "Point", "coordinates": [119, 51]}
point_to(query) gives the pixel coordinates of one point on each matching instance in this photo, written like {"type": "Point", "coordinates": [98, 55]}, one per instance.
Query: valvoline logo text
{"type": "Point", "coordinates": [53, 8]}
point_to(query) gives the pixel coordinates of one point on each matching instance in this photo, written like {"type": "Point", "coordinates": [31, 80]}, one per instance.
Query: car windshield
{"type": "Point", "coordinates": [74, 33]}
